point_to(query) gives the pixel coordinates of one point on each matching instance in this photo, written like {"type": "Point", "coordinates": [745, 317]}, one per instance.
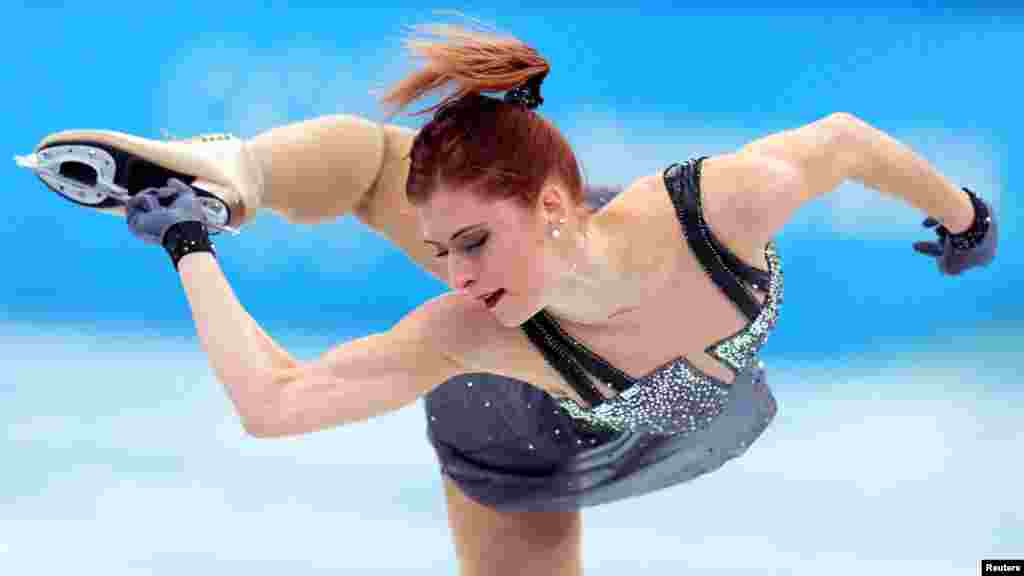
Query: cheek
{"type": "Point", "coordinates": [520, 267]}
{"type": "Point", "coordinates": [533, 273]}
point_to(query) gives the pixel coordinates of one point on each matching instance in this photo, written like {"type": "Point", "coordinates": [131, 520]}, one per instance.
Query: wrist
{"type": "Point", "coordinates": [965, 213]}
{"type": "Point", "coordinates": [185, 238]}
{"type": "Point", "coordinates": [971, 234]}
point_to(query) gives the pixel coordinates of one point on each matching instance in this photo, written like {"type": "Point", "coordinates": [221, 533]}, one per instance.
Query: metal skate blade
{"type": "Point", "coordinates": [75, 172]}
{"type": "Point", "coordinates": [85, 174]}
{"type": "Point", "coordinates": [30, 161]}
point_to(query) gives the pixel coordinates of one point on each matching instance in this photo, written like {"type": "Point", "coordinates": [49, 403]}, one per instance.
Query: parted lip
{"type": "Point", "coordinates": [486, 295]}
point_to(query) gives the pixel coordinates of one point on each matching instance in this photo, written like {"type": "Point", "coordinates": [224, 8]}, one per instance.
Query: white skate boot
{"type": "Point", "coordinates": [102, 169]}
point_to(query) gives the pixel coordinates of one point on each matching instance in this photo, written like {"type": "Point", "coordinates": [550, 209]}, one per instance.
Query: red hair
{"type": "Point", "coordinates": [476, 142]}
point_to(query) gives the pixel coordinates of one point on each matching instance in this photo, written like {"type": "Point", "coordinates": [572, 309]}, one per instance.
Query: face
{"type": "Point", "coordinates": [489, 246]}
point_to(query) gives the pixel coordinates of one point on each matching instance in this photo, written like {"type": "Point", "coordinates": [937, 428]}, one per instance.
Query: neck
{"type": "Point", "coordinates": [592, 288]}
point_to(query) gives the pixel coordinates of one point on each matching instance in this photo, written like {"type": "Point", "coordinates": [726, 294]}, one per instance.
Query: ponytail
{"type": "Point", "coordinates": [497, 148]}
{"type": "Point", "coordinates": [474, 62]}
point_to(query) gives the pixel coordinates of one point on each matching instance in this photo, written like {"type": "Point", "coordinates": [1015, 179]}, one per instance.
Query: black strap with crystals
{"type": "Point", "coordinates": [573, 360]}
{"type": "Point", "coordinates": [558, 354]}
{"type": "Point", "coordinates": [597, 366]}
{"type": "Point", "coordinates": [683, 183]}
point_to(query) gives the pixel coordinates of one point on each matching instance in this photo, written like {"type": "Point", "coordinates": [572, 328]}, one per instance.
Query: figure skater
{"type": "Point", "coordinates": [592, 347]}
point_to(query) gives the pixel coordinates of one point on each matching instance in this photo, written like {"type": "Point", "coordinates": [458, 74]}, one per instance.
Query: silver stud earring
{"type": "Point", "coordinates": [556, 231]}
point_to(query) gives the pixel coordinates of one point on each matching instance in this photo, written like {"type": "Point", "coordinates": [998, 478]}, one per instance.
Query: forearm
{"type": "Point", "coordinates": [243, 357]}
{"type": "Point", "coordinates": [892, 168]}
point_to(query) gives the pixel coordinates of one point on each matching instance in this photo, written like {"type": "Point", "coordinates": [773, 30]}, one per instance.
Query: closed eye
{"type": "Point", "coordinates": [469, 248]}
{"type": "Point", "coordinates": [477, 245]}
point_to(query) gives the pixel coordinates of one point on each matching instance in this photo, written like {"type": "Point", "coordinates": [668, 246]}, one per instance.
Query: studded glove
{"type": "Point", "coordinates": [974, 247]}
{"type": "Point", "coordinates": [170, 216]}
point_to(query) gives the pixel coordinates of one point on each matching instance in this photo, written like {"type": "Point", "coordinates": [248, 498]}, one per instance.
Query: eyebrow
{"type": "Point", "coordinates": [457, 234]}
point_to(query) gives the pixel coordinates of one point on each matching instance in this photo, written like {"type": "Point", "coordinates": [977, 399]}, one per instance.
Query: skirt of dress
{"type": "Point", "coordinates": [509, 446]}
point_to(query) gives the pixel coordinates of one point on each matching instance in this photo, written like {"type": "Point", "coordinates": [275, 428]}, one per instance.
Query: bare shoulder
{"type": "Point", "coordinates": [728, 180]}
{"type": "Point", "coordinates": [733, 188]}
{"type": "Point", "coordinates": [641, 198]}
{"type": "Point", "coordinates": [645, 214]}
{"type": "Point", "coordinates": [639, 220]}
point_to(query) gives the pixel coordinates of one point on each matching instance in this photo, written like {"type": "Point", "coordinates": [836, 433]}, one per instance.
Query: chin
{"type": "Point", "coordinates": [510, 318]}
{"type": "Point", "coordinates": [513, 316]}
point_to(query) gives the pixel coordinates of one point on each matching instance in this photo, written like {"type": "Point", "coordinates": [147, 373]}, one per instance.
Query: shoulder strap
{"type": "Point", "coordinates": [585, 357]}
{"type": "Point", "coordinates": [754, 276]}
{"type": "Point", "coordinates": [559, 358]}
{"type": "Point", "coordinates": [683, 184]}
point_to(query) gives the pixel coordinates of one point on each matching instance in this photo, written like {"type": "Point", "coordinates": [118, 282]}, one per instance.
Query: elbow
{"type": "Point", "coordinates": [844, 128]}
{"type": "Point", "coordinates": [847, 136]}
{"type": "Point", "coordinates": [259, 424]}
{"type": "Point", "coordinates": [843, 118]}
{"type": "Point", "coordinates": [845, 124]}
{"type": "Point", "coordinates": [272, 412]}
{"type": "Point", "coordinates": [259, 409]}
{"type": "Point", "coordinates": [258, 428]}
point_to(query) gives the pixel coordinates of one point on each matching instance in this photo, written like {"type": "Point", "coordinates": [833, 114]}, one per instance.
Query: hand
{"type": "Point", "coordinates": [154, 210]}
{"type": "Point", "coordinates": [951, 260]}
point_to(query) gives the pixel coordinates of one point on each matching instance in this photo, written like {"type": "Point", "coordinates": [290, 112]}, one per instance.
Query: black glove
{"type": "Point", "coordinates": [170, 216]}
{"type": "Point", "coordinates": [974, 247]}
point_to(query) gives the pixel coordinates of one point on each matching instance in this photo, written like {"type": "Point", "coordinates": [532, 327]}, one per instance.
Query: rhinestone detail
{"type": "Point", "coordinates": [678, 397]}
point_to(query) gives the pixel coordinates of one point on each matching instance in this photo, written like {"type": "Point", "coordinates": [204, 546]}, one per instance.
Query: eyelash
{"type": "Point", "coordinates": [469, 248]}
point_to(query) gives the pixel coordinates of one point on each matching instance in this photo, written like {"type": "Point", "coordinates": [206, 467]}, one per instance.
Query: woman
{"type": "Point", "coordinates": [585, 353]}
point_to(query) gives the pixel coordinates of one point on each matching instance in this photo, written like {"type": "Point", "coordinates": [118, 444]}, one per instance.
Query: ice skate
{"type": "Point", "coordinates": [102, 169]}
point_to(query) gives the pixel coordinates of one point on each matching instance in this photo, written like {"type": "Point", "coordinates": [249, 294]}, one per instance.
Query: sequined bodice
{"type": "Point", "coordinates": [676, 397]}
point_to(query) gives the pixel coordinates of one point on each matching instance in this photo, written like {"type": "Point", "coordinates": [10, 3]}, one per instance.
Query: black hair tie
{"type": "Point", "coordinates": [528, 93]}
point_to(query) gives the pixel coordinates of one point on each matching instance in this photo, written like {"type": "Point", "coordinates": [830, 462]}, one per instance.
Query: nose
{"type": "Point", "coordinates": [461, 272]}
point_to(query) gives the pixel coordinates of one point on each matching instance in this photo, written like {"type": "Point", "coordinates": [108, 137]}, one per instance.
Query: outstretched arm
{"type": "Point", "coordinates": [277, 395]}
{"type": "Point", "coordinates": [769, 179]}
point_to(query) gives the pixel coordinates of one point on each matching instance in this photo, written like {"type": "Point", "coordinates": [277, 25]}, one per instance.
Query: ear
{"type": "Point", "coordinates": [553, 202]}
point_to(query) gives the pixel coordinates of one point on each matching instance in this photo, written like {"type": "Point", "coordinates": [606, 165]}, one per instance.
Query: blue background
{"type": "Point", "coordinates": [899, 388]}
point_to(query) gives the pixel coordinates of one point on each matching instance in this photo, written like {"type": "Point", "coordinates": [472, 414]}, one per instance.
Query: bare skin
{"type": "Point", "coordinates": [495, 543]}
{"type": "Point", "coordinates": [512, 543]}
{"type": "Point", "coordinates": [643, 332]}
{"type": "Point", "coordinates": [622, 280]}
{"type": "Point", "coordinates": [633, 288]}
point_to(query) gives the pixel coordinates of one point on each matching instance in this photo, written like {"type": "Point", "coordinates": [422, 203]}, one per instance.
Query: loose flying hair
{"type": "Point", "coordinates": [476, 142]}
